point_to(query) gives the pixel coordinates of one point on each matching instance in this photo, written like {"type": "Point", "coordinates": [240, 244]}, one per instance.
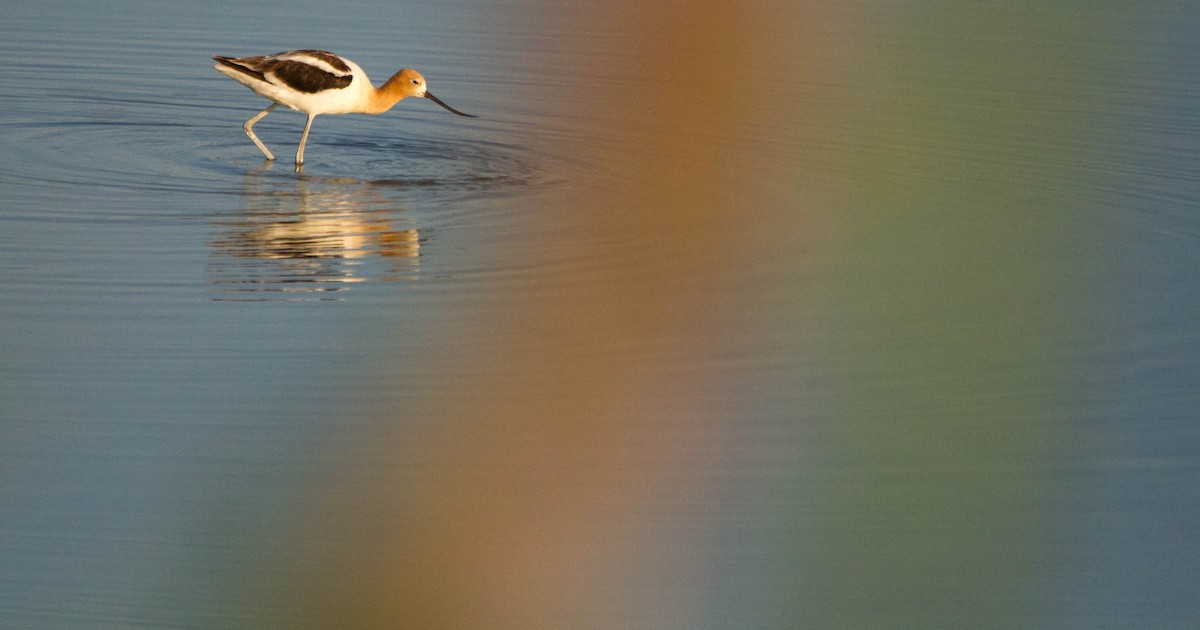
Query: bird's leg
{"type": "Point", "coordinates": [303, 140]}
{"type": "Point", "coordinates": [249, 129]}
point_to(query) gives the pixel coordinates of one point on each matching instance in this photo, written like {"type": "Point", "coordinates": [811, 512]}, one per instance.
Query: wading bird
{"type": "Point", "coordinates": [319, 82]}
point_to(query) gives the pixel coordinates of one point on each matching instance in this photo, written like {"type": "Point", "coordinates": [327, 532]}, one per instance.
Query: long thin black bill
{"type": "Point", "coordinates": [439, 102]}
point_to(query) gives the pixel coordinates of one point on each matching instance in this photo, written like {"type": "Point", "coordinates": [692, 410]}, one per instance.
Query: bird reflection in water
{"type": "Point", "coordinates": [311, 242]}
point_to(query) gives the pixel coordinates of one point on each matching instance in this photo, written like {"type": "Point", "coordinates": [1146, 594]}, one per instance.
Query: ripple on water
{"type": "Point", "coordinates": [378, 194]}
{"type": "Point", "coordinates": [132, 156]}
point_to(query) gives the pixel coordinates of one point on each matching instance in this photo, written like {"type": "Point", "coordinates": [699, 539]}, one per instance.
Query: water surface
{"type": "Point", "coordinates": [783, 315]}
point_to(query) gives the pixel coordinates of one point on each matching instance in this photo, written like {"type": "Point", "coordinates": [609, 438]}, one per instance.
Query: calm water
{"type": "Point", "coordinates": [789, 316]}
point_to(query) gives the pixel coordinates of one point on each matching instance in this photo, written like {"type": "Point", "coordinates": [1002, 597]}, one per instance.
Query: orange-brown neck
{"type": "Point", "coordinates": [387, 95]}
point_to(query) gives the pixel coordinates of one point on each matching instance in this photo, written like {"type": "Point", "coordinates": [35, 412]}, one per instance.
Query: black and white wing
{"type": "Point", "coordinates": [308, 71]}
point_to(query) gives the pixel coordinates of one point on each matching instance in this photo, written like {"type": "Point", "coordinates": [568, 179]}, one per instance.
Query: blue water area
{"type": "Point", "coordinates": [942, 370]}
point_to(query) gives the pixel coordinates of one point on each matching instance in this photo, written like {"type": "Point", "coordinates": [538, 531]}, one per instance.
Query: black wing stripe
{"type": "Point", "coordinates": [304, 77]}
{"type": "Point", "coordinates": [333, 60]}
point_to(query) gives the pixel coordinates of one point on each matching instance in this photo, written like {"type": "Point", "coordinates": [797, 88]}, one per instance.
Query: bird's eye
{"type": "Point", "coordinates": [416, 82]}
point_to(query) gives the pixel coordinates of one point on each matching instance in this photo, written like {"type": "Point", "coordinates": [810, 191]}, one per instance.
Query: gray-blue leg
{"type": "Point", "coordinates": [303, 140]}
{"type": "Point", "coordinates": [249, 129]}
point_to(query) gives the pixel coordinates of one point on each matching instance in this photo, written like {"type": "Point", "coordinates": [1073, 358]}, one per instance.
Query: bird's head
{"type": "Point", "coordinates": [409, 82]}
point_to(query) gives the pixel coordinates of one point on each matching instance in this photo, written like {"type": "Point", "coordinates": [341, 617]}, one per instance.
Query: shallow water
{"type": "Point", "coordinates": [878, 315]}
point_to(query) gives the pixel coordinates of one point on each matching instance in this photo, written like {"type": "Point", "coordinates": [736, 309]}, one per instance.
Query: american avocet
{"type": "Point", "coordinates": [318, 82]}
